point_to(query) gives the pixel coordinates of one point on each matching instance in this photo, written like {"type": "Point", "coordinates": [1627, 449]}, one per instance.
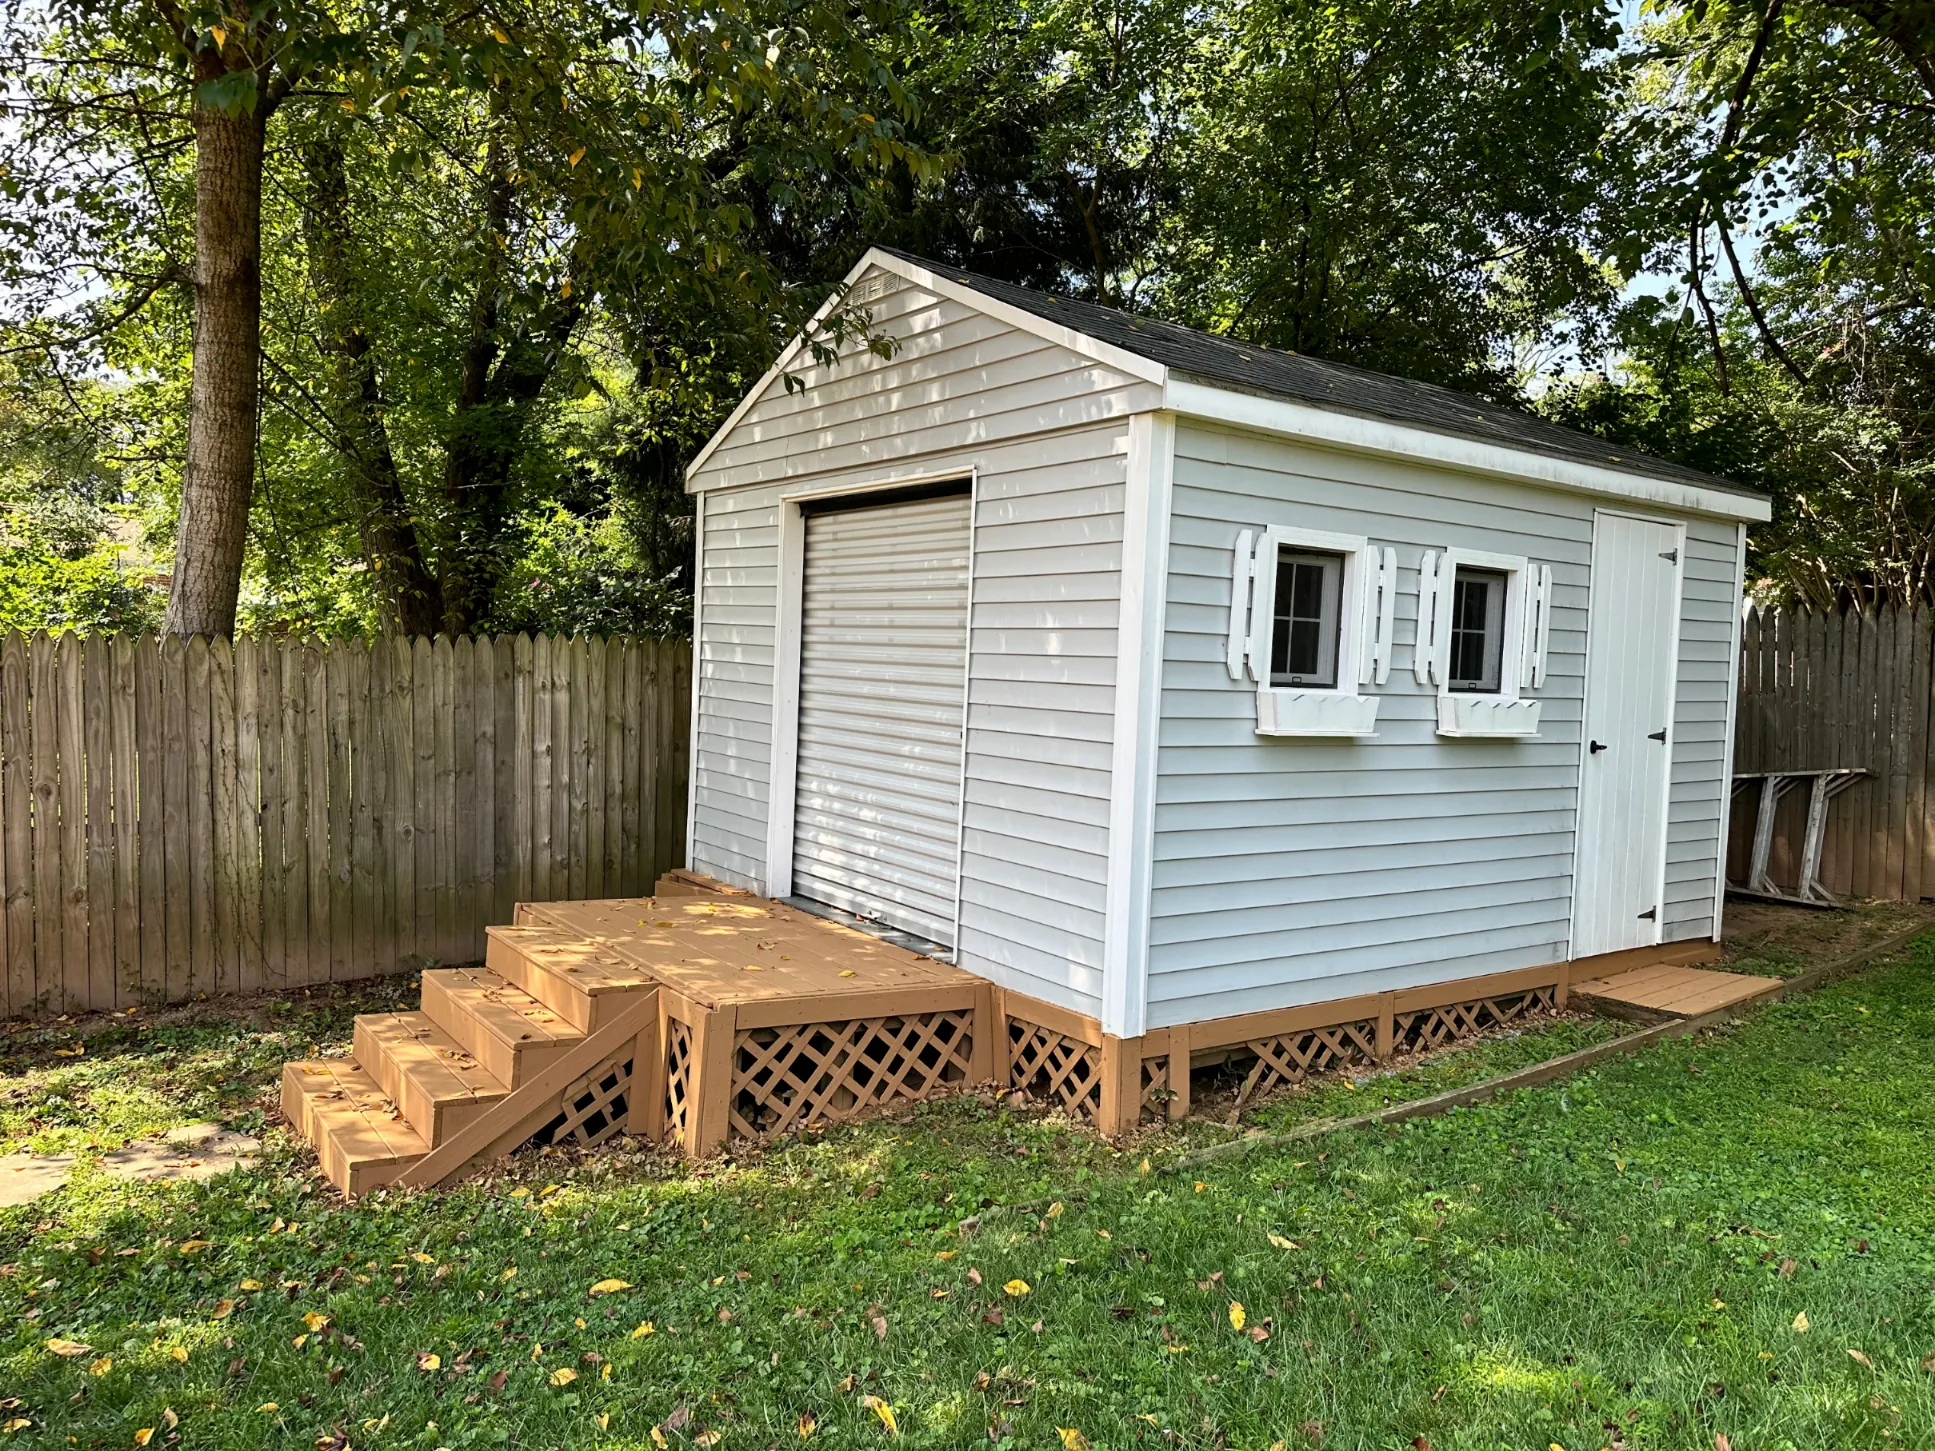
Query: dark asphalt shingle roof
{"type": "Point", "coordinates": [1226, 363]}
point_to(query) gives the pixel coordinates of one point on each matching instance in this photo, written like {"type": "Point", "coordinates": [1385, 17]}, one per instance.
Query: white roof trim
{"type": "Point", "coordinates": [1122, 360]}
{"type": "Point", "coordinates": [1369, 435]}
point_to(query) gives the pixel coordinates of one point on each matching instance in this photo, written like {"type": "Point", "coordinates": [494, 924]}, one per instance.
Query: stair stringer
{"type": "Point", "coordinates": [533, 1104]}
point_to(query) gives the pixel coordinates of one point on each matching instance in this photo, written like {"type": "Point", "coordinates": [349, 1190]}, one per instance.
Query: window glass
{"type": "Point", "coordinates": [1303, 645]}
{"type": "Point", "coordinates": [1477, 630]}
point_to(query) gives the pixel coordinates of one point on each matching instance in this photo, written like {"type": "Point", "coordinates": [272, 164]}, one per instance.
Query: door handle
{"type": "Point", "coordinates": [1595, 748]}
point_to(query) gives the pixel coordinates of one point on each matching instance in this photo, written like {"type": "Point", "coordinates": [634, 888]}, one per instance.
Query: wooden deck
{"type": "Point", "coordinates": [1663, 991]}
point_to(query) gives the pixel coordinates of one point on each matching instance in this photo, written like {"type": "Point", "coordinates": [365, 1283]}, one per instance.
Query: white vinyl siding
{"type": "Point", "coordinates": [1291, 871]}
{"type": "Point", "coordinates": [1709, 622]}
{"type": "Point", "coordinates": [1044, 431]}
{"type": "Point", "coordinates": [883, 655]}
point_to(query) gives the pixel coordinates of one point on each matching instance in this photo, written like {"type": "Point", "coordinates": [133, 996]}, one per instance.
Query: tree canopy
{"type": "Point", "coordinates": [514, 263]}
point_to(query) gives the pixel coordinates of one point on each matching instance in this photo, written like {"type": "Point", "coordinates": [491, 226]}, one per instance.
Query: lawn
{"type": "Point", "coordinates": [1730, 1237]}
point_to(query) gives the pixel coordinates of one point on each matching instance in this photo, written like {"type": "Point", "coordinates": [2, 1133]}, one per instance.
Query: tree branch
{"type": "Point", "coordinates": [1753, 304]}
{"type": "Point", "coordinates": [143, 295]}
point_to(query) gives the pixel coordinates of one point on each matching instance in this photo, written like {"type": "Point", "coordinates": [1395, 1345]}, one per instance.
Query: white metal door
{"type": "Point", "coordinates": [1631, 639]}
{"type": "Point", "coordinates": [883, 661]}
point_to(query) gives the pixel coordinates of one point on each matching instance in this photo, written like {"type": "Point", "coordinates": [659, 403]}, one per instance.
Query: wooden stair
{"type": "Point", "coordinates": [427, 1092]}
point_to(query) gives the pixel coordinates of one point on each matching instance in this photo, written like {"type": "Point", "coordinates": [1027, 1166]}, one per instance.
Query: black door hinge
{"type": "Point", "coordinates": [1658, 735]}
{"type": "Point", "coordinates": [1651, 914]}
{"type": "Point", "coordinates": [1671, 556]}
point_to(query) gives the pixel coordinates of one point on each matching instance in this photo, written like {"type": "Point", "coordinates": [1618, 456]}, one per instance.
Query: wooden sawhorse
{"type": "Point", "coordinates": [1824, 785]}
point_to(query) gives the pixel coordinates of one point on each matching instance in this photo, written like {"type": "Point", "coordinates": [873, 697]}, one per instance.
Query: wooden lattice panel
{"type": "Point", "coordinates": [595, 1105]}
{"type": "Point", "coordinates": [1155, 1084]}
{"type": "Point", "coordinates": [784, 1078]}
{"type": "Point", "coordinates": [679, 1105]}
{"type": "Point", "coordinates": [1432, 1027]}
{"type": "Point", "coordinates": [1055, 1067]}
{"type": "Point", "coordinates": [1292, 1057]}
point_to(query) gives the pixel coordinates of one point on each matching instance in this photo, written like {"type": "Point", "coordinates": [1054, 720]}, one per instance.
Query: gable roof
{"type": "Point", "coordinates": [1226, 363]}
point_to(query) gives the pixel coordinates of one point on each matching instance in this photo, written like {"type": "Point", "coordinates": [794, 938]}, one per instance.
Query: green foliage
{"type": "Point", "coordinates": [1631, 1247]}
{"type": "Point", "coordinates": [587, 576]}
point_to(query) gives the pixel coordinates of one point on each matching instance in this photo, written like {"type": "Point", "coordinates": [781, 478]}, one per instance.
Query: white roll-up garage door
{"type": "Point", "coordinates": [883, 658]}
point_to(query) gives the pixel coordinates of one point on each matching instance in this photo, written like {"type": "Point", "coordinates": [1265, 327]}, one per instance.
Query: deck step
{"type": "Point", "coordinates": [359, 1134]}
{"type": "Point", "coordinates": [510, 1033]}
{"type": "Point", "coordinates": [581, 981]}
{"type": "Point", "coordinates": [438, 1083]}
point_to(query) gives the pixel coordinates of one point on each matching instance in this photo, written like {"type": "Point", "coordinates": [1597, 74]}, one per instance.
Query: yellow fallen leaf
{"type": "Point", "coordinates": [1072, 1439]}
{"type": "Point", "coordinates": [605, 1374]}
{"type": "Point", "coordinates": [17, 1423]}
{"type": "Point", "coordinates": [421, 1258]}
{"type": "Point", "coordinates": [101, 1366]}
{"type": "Point", "coordinates": [1800, 1323]}
{"type": "Point", "coordinates": [300, 1341]}
{"type": "Point", "coordinates": [881, 1409]}
{"type": "Point", "coordinates": [1857, 1356]}
{"type": "Point", "coordinates": [68, 1348]}
{"type": "Point", "coordinates": [563, 1376]}
{"type": "Point", "coordinates": [579, 1322]}
{"type": "Point", "coordinates": [1236, 1314]}
{"type": "Point", "coordinates": [520, 1191]}
{"type": "Point", "coordinates": [1200, 1186]}
{"type": "Point", "coordinates": [268, 1408]}
{"type": "Point", "coordinates": [604, 1419]}
{"type": "Point", "coordinates": [429, 1360]}
{"type": "Point", "coordinates": [807, 1425]}
{"type": "Point", "coordinates": [610, 1287]}
{"type": "Point", "coordinates": [708, 1438]}
{"type": "Point", "coordinates": [144, 1435]}
{"type": "Point", "coordinates": [848, 972]}
{"type": "Point", "coordinates": [1143, 1168]}
{"type": "Point", "coordinates": [223, 1309]}
{"type": "Point", "coordinates": [1279, 1242]}
{"type": "Point", "coordinates": [509, 1274]}
{"type": "Point", "coordinates": [1054, 1210]}
{"type": "Point", "coordinates": [180, 1352]}
{"type": "Point", "coordinates": [1145, 1416]}
{"type": "Point", "coordinates": [1016, 1288]}
{"type": "Point", "coordinates": [548, 1189]}
{"type": "Point", "coordinates": [658, 1438]}
{"type": "Point", "coordinates": [644, 1329]}
{"type": "Point", "coordinates": [249, 1285]}
{"type": "Point", "coordinates": [946, 1254]}
{"type": "Point", "coordinates": [315, 1321]}
{"type": "Point", "coordinates": [192, 1246]}
{"type": "Point", "coordinates": [537, 1350]}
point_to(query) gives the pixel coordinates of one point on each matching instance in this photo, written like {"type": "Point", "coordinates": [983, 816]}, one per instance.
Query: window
{"type": "Point", "coordinates": [1477, 630]}
{"type": "Point", "coordinates": [1484, 621]}
{"type": "Point", "coordinates": [1310, 621]}
{"type": "Point", "coordinates": [1303, 644]}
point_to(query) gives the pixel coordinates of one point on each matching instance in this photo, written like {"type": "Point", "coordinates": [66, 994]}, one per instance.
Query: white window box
{"type": "Point", "coordinates": [1314, 713]}
{"type": "Point", "coordinates": [1486, 715]}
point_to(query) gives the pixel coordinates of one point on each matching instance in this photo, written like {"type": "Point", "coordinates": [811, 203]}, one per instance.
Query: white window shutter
{"type": "Point", "coordinates": [1538, 624]}
{"type": "Point", "coordinates": [1263, 594]}
{"type": "Point", "coordinates": [1240, 575]}
{"type": "Point", "coordinates": [1424, 654]}
{"type": "Point", "coordinates": [1380, 609]}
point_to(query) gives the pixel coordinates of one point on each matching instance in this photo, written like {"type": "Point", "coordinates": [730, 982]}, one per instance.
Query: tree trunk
{"type": "Point", "coordinates": [409, 598]}
{"type": "Point", "coordinates": [220, 471]}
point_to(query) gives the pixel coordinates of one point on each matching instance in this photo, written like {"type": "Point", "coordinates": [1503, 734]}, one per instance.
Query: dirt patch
{"type": "Point", "coordinates": [1780, 941]}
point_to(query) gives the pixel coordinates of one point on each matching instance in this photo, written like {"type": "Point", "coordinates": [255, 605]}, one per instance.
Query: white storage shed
{"type": "Point", "coordinates": [1167, 681]}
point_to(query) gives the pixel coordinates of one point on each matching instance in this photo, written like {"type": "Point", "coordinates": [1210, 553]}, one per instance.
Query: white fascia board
{"type": "Point", "coordinates": [1358, 434]}
{"type": "Point", "coordinates": [1120, 359]}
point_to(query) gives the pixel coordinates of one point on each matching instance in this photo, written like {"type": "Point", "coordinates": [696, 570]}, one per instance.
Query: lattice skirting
{"type": "Point", "coordinates": [1157, 1090]}
{"type": "Point", "coordinates": [1292, 1057]}
{"type": "Point", "coordinates": [1431, 1027]}
{"type": "Point", "coordinates": [595, 1106]}
{"type": "Point", "coordinates": [680, 1099]}
{"type": "Point", "coordinates": [1055, 1068]}
{"type": "Point", "coordinates": [787, 1077]}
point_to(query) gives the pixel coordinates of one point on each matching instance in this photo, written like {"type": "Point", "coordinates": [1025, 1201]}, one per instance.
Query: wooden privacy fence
{"type": "Point", "coordinates": [181, 817]}
{"type": "Point", "coordinates": [1844, 688]}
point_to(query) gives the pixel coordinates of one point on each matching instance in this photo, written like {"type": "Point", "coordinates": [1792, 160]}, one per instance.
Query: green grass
{"type": "Point", "coordinates": [1627, 1249]}
{"type": "Point", "coordinates": [1348, 1095]}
